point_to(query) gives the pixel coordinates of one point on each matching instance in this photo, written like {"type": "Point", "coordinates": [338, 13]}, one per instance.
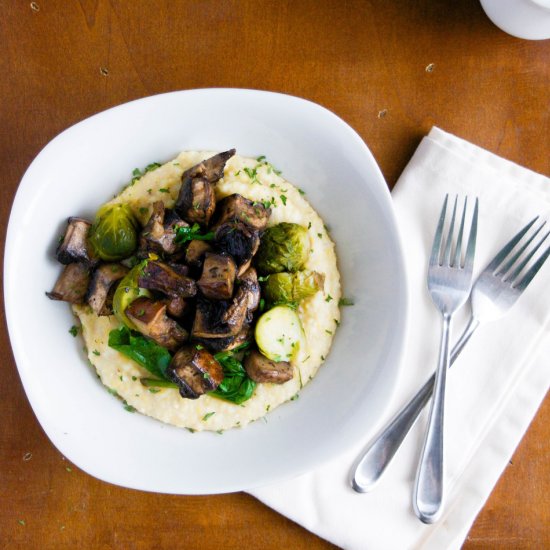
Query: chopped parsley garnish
{"type": "Point", "coordinates": [95, 352]}
{"type": "Point", "coordinates": [154, 390]}
{"type": "Point", "coordinates": [74, 330]}
{"type": "Point", "coordinates": [320, 235]}
{"type": "Point", "coordinates": [261, 158]}
{"type": "Point", "coordinates": [208, 415]}
{"type": "Point", "coordinates": [328, 298]}
{"type": "Point", "coordinates": [184, 234]}
{"type": "Point", "coordinates": [328, 331]}
{"type": "Point", "coordinates": [309, 225]}
{"type": "Point", "coordinates": [252, 173]}
{"type": "Point", "coordinates": [137, 173]}
{"type": "Point", "coordinates": [337, 322]}
{"type": "Point", "coordinates": [283, 199]}
{"type": "Point", "coordinates": [129, 408]}
{"type": "Point", "coordinates": [164, 190]}
{"type": "Point", "coordinates": [301, 191]}
{"type": "Point", "coordinates": [345, 302]}
{"type": "Point", "coordinates": [294, 397]}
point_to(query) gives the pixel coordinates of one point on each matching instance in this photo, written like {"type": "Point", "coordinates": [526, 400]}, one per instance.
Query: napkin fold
{"type": "Point", "coordinates": [493, 391]}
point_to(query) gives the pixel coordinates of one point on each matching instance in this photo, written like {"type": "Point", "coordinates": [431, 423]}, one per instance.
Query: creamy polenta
{"type": "Point", "coordinates": [257, 180]}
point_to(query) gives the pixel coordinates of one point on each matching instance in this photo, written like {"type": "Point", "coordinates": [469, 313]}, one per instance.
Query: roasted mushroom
{"type": "Point", "coordinates": [229, 342]}
{"type": "Point", "coordinates": [159, 234]}
{"type": "Point", "coordinates": [240, 241]}
{"type": "Point", "coordinates": [150, 318]}
{"type": "Point", "coordinates": [196, 201]}
{"type": "Point", "coordinates": [75, 247]}
{"type": "Point", "coordinates": [219, 323]}
{"type": "Point", "coordinates": [163, 278]}
{"type": "Point", "coordinates": [195, 371]}
{"type": "Point", "coordinates": [176, 306]}
{"type": "Point", "coordinates": [218, 277]}
{"type": "Point", "coordinates": [101, 283]}
{"type": "Point", "coordinates": [72, 284]}
{"type": "Point", "coordinates": [196, 249]}
{"type": "Point", "coordinates": [236, 208]}
{"type": "Point", "coordinates": [261, 369]}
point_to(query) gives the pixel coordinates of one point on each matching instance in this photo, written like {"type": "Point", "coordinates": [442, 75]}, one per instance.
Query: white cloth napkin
{"type": "Point", "coordinates": [494, 389]}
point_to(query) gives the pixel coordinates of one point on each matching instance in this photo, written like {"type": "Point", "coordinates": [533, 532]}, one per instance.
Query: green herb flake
{"type": "Point", "coordinates": [337, 322]}
{"type": "Point", "coordinates": [309, 225]}
{"type": "Point", "coordinates": [345, 302]}
{"type": "Point", "coordinates": [328, 298]}
{"type": "Point", "coordinates": [154, 390]}
{"type": "Point", "coordinates": [112, 391]}
{"type": "Point", "coordinates": [95, 352]}
{"type": "Point", "coordinates": [267, 407]}
{"type": "Point", "coordinates": [260, 158]}
{"type": "Point", "coordinates": [328, 331]}
{"type": "Point", "coordinates": [301, 191]}
{"type": "Point", "coordinates": [68, 469]}
{"type": "Point", "coordinates": [262, 304]}
{"type": "Point", "coordinates": [207, 416]}
{"type": "Point", "coordinates": [74, 330]}
{"type": "Point", "coordinates": [199, 347]}
{"type": "Point", "coordinates": [252, 173]}
{"type": "Point", "coordinates": [164, 190]}
{"type": "Point", "coordinates": [184, 234]}
{"type": "Point", "coordinates": [149, 191]}
{"type": "Point", "coordinates": [129, 408]}
{"type": "Point", "coordinates": [322, 357]}
{"type": "Point", "coordinates": [294, 397]}
{"type": "Point", "coordinates": [219, 432]}
{"type": "Point", "coordinates": [191, 430]}
{"type": "Point", "coordinates": [143, 210]}
{"type": "Point", "coordinates": [134, 378]}
{"type": "Point", "coordinates": [21, 522]}
{"type": "Point", "coordinates": [272, 186]}
{"type": "Point", "coordinates": [283, 199]}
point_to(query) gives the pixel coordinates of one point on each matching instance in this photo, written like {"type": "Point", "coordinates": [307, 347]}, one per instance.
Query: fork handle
{"type": "Point", "coordinates": [372, 463]}
{"type": "Point", "coordinates": [428, 488]}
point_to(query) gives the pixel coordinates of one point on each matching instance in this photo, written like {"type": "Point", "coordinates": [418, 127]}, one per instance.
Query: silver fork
{"type": "Point", "coordinates": [449, 284]}
{"type": "Point", "coordinates": [496, 289]}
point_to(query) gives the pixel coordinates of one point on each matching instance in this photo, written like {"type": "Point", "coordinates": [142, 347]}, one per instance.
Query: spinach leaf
{"type": "Point", "coordinates": [142, 350]}
{"type": "Point", "coordinates": [236, 386]}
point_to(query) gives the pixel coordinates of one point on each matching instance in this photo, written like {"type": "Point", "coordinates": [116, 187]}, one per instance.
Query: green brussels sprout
{"type": "Point", "coordinates": [284, 247]}
{"type": "Point", "coordinates": [292, 287]}
{"type": "Point", "coordinates": [114, 232]}
{"type": "Point", "coordinates": [126, 292]}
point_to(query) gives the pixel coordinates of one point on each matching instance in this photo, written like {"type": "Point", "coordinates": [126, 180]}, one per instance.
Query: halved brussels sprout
{"type": "Point", "coordinates": [292, 287]}
{"type": "Point", "coordinates": [126, 292]}
{"type": "Point", "coordinates": [114, 233]}
{"type": "Point", "coordinates": [283, 247]}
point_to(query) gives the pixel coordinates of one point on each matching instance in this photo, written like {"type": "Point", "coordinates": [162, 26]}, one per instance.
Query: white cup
{"type": "Point", "coordinates": [528, 19]}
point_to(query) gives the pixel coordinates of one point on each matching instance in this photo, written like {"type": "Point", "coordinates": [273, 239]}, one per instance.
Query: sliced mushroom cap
{"type": "Point", "coordinates": [261, 369]}
{"type": "Point", "coordinates": [72, 284]}
{"type": "Point", "coordinates": [196, 201]}
{"type": "Point", "coordinates": [101, 282]}
{"type": "Point", "coordinates": [75, 247]}
{"type": "Point", "coordinates": [236, 208]}
{"type": "Point", "coordinates": [218, 276]}
{"type": "Point", "coordinates": [250, 286]}
{"type": "Point", "coordinates": [159, 234]}
{"type": "Point", "coordinates": [195, 371]}
{"type": "Point", "coordinates": [150, 318]}
{"type": "Point", "coordinates": [216, 345]}
{"type": "Point", "coordinates": [194, 255]}
{"type": "Point", "coordinates": [240, 241]}
{"type": "Point", "coordinates": [208, 321]}
{"type": "Point", "coordinates": [160, 276]}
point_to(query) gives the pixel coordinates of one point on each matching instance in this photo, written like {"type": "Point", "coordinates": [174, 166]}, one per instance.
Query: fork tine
{"type": "Point", "coordinates": [508, 247]}
{"type": "Point", "coordinates": [449, 240]}
{"type": "Point", "coordinates": [458, 248]}
{"type": "Point", "coordinates": [471, 248]}
{"type": "Point", "coordinates": [436, 247]}
{"type": "Point", "coordinates": [528, 277]}
{"type": "Point", "coordinates": [504, 270]}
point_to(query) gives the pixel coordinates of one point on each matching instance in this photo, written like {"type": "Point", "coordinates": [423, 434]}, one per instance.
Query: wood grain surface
{"type": "Point", "coordinates": [390, 69]}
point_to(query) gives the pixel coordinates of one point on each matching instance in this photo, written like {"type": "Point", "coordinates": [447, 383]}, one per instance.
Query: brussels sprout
{"type": "Point", "coordinates": [128, 291]}
{"type": "Point", "coordinates": [284, 247]}
{"type": "Point", "coordinates": [114, 234]}
{"type": "Point", "coordinates": [292, 287]}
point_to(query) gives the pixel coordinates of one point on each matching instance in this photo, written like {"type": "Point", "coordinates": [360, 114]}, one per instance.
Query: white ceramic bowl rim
{"type": "Point", "coordinates": [80, 168]}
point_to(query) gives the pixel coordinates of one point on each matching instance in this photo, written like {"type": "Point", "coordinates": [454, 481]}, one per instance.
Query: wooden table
{"type": "Point", "coordinates": [390, 69]}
